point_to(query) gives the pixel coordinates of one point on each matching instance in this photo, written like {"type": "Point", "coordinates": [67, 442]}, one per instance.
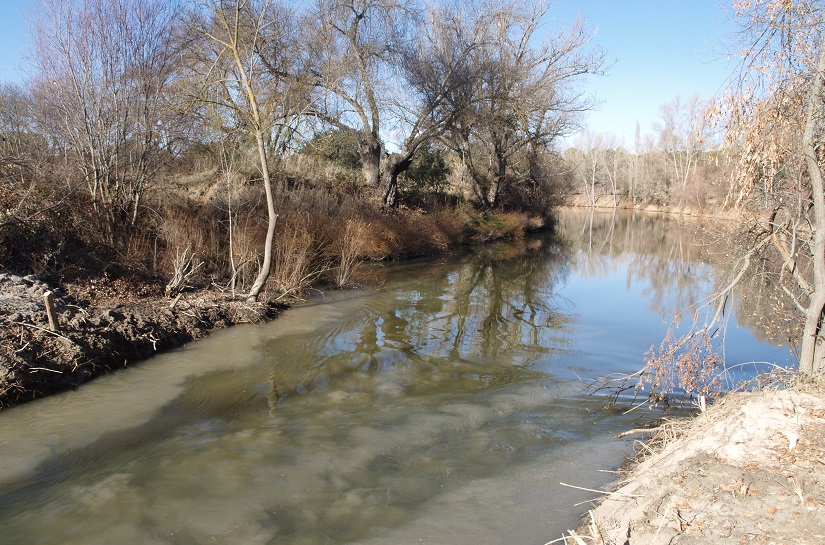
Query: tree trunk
{"type": "Point", "coordinates": [369, 147]}
{"type": "Point", "coordinates": [812, 352]}
{"type": "Point", "coordinates": [266, 266]}
{"type": "Point", "coordinates": [396, 164]}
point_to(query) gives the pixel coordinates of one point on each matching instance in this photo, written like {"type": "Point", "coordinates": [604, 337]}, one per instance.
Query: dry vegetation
{"type": "Point", "coordinates": [185, 267]}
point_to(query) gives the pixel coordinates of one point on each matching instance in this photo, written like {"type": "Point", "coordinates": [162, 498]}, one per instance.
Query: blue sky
{"type": "Point", "coordinates": [14, 38]}
{"type": "Point", "coordinates": [660, 49]}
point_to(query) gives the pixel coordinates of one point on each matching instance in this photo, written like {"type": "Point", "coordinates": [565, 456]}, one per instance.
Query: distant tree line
{"type": "Point", "coordinates": [681, 164]}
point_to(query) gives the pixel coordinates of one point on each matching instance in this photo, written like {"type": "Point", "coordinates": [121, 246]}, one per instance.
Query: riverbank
{"type": "Point", "coordinates": [749, 470]}
{"type": "Point", "coordinates": [104, 324]}
{"type": "Point", "coordinates": [107, 323]}
{"type": "Point", "coordinates": [606, 202]}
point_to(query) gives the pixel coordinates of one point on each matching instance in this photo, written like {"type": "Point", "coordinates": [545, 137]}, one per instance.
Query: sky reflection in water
{"type": "Point", "coordinates": [445, 406]}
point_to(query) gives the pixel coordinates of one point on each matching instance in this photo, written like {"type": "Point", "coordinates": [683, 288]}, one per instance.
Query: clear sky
{"type": "Point", "coordinates": [14, 38]}
{"type": "Point", "coordinates": [660, 49]}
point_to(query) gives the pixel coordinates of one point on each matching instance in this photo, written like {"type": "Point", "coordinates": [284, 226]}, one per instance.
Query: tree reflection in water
{"type": "Point", "coordinates": [682, 267]}
{"type": "Point", "coordinates": [487, 316]}
{"type": "Point", "coordinates": [497, 312]}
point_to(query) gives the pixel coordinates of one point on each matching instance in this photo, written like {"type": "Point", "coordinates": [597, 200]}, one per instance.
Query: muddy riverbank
{"type": "Point", "coordinates": [103, 325]}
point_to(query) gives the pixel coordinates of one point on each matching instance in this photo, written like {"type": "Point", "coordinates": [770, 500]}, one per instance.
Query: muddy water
{"type": "Point", "coordinates": [444, 404]}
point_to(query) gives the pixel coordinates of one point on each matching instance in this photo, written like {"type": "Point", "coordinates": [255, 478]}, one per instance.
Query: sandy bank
{"type": "Point", "coordinates": [749, 470]}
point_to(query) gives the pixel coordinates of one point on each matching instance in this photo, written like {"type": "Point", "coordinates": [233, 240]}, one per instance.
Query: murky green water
{"type": "Point", "coordinates": [444, 405]}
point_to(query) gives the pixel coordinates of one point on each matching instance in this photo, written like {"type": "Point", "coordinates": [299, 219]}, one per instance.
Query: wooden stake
{"type": "Point", "coordinates": [48, 297]}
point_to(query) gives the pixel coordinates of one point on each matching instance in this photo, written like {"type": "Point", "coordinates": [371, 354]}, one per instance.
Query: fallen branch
{"type": "Point", "coordinates": [55, 333]}
{"type": "Point", "coordinates": [603, 491]}
{"type": "Point", "coordinates": [639, 430]}
{"type": "Point", "coordinates": [594, 530]}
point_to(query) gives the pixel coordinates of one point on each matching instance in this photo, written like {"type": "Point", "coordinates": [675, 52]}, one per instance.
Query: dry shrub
{"type": "Point", "coordinates": [323, 172]}
{"type": "Point", "coordinates": [382, 241]}
{"type": "Point", "coordinates": [351, 250]}
{"type": "Point", "coordinates": [691, 362]}
{"type": "Point", "coordinates": [297, 258]}
{"type": "Point", "coordinates": [39, 225]}
{"type": "Point", "coordinates": [434, 233]}
{"type": "Point", "coordinates": [516, 224]}
{"type": "Point", "coordinates": [185, 224]}
{"type": "Point", "coordinates": [502, 225]}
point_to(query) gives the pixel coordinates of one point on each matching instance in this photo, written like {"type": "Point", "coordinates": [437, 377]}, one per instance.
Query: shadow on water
{"type": "Point", "coordinates": [443, 405]}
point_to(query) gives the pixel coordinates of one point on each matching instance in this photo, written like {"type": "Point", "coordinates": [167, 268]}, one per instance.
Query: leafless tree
{"type": "Point", "coordinates": [520, 92]}
{"type": "Point", "coordinates": [351, 54]}
{"type": "Point", "coordinates": [682, 135]}
{"type": "Point", "coordinates": [18, 135]}
{"type": "Point", "coordinates": [239, 54]}
{"type": "Point", "coordinates": [433, 71]}
{"type": "Point", "coordinates": [102, 70]}
{"type": "Point", "coordinates": [590, 160]}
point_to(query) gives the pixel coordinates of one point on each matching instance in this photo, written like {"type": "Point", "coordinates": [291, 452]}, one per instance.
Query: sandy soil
{"type": "Point", "coordinates": [749, 470]}
{"type": "Point", "coordinates": [104, 324]}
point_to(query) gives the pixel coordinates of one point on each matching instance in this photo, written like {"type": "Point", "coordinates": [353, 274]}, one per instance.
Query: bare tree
{"type": "Point", "coordinates": [589, 160]}
{"type": "Point", "coordinates": [239, 56]}
{"type": "Point", "coordinates": [433, 71]}
{"type": "Point", "coordinates": [682, 136]}
{"type": "Point", "coordinates": [17, 133]}
{"type": "Point", "coordinates": [103, 67]}
{"type": "Point", "coordinates": [351, 52]}
{"type": "Point", "coordinates": [519, 95]}
{"type": "Point", "coordinates": [616, 160]}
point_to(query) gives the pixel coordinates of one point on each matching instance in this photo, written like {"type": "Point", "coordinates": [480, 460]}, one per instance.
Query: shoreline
{"type": "Point", "coordinates": [107, 324]}
{"type": "Point", "coordinates": [103, 326]}
{"type": "Point", "coordinates": [751, 469]}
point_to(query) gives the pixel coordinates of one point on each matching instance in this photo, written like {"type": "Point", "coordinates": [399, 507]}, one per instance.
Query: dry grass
{"type": "Point", "coordinates": [326, 228]}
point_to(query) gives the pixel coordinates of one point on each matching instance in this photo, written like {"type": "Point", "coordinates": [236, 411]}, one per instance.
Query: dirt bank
{"type": "Point", "coordinates": [104, 324]}
{"type": "Point", "coordinates": [749, 470]}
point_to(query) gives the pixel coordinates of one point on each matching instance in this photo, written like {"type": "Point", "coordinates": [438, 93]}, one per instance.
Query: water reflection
{"type": "Point", "coordinates": [655, 250]}
{"type": "Point", "coordinates": [676, 267]}
{"type": "Point", "coordinates": [443, 406]}
{"type": "Point", "coordinates": [490, 316]}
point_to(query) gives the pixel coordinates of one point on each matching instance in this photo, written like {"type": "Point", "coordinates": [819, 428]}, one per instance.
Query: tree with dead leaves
{"type": "Point", "coordinates": [775, 120]}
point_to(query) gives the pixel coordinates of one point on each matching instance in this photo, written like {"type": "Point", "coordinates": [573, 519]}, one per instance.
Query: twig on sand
{"type": "Point", "coordinates": [638, 430]}
{"type": "Point", "coordinates": [596, 535]}
{"type": "Point", "coordinates": [45, 369]}
{"type": "Point", "coordinates": [603, 491]}
{"type": "Point", "coordinates": [594, 530]}
{"type": "Point", "coordinates": [644, 446]}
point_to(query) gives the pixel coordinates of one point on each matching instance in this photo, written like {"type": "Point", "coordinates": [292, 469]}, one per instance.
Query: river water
{"type": "Point", "coordinates": [445, 403]}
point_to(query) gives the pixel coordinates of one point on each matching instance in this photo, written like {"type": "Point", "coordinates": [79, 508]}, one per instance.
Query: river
{"type": "Point", "coordinates": [444, 403]}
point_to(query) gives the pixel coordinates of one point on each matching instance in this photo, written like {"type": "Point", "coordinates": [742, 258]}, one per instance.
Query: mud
{"type": "Point", "coordinates": [104, 324]}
